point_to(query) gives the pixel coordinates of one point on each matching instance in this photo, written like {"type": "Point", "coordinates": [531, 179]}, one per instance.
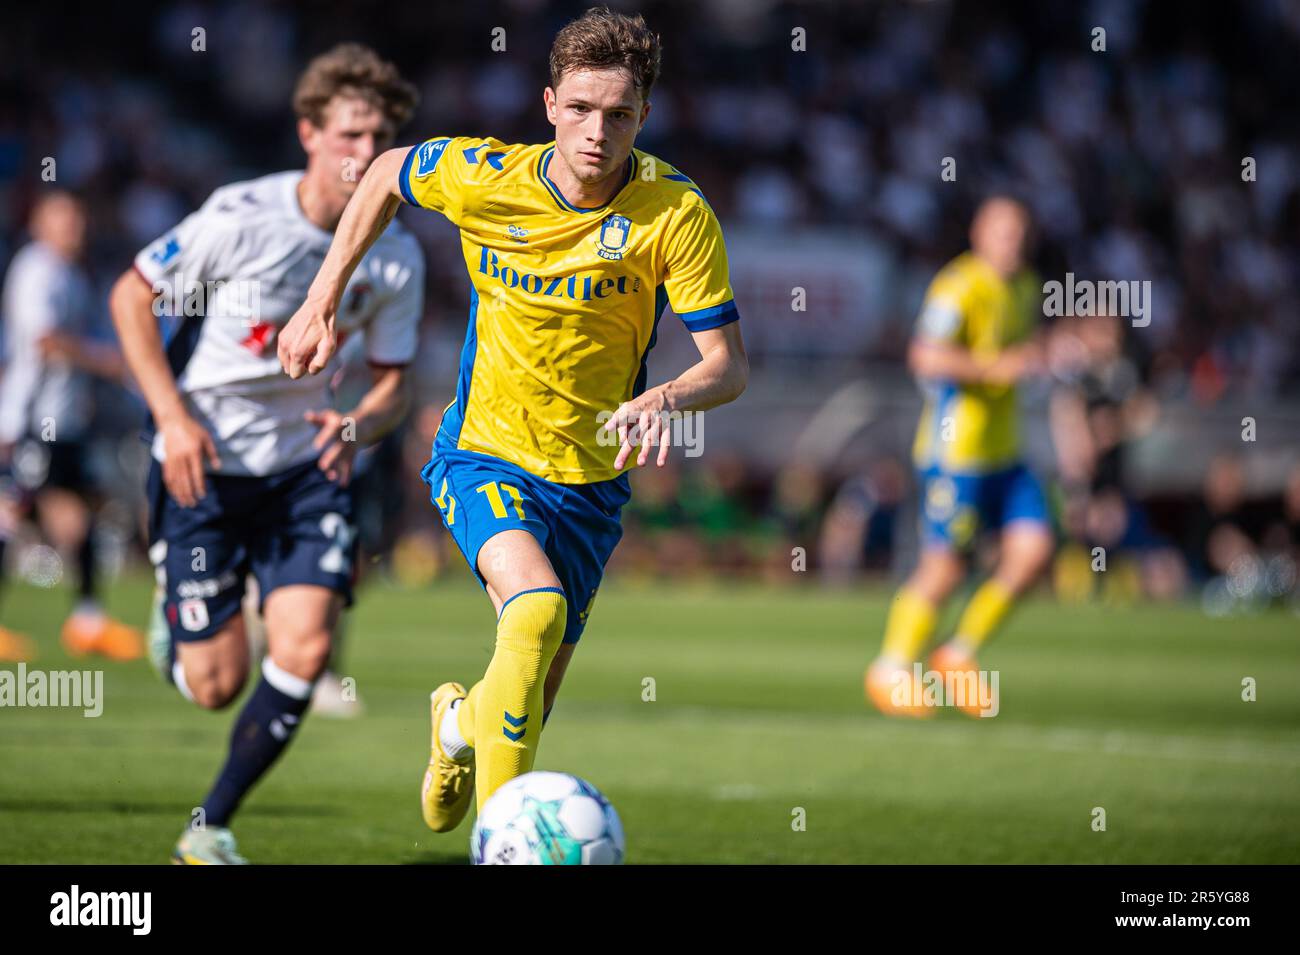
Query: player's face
{"type": "Point", "coordinates": [60, 223]}
{"type": "Point", "coordinates": [353, 134]}
{"type": "Point", "coordinates": [596, 114]}
{"type": "Point", "coordinates": [999, 234]}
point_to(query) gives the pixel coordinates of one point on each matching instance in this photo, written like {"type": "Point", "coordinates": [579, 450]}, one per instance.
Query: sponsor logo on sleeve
{"type": "Point", "coordinates": [427, 155]}
{"type": "Point", "coordinates": [166, 249]}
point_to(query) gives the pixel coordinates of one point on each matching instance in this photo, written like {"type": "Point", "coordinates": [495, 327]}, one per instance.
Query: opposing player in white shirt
{"type": "Point", "coordinates": [250, 467]}
{"type": "Point", "coordinates": [46, 413]}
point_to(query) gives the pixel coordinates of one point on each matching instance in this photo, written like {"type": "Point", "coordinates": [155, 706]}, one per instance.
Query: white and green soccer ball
{"type": "Point", "coordinates": [545, 818]}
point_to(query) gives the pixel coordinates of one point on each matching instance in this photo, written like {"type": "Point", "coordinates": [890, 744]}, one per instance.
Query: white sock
{"type": "Point", "coordinates": [178, 678]}
{"type": "Point", "coordinates": [291, 686]}
{"type": "Point", "coordinates": [453, 744]}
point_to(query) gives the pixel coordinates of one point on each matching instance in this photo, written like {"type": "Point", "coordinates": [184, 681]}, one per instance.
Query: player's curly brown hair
{"type": "Point", "coordinates": [600, 39]}
{"type": "Point", "coordinates": [351, 69]}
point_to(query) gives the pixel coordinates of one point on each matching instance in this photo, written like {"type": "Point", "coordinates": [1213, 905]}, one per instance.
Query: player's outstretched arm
{"type": "Point", "coordinates": [307, 342]}
{"type": "Point", "coordinates": [186, 443]}
{"type": "Point", "coordinates": [718, 377]}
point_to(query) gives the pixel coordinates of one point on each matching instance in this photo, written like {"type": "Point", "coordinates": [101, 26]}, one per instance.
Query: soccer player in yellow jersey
{"type": "Point", "coordinates": [972, 344]}
{"type": "Point", "coordinates": [573, 249]}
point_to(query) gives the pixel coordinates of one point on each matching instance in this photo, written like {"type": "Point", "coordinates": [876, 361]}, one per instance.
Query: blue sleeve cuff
{"type": "Point", "coordinates": [404, 177]}
{"type": "Point", "coordinates": [715, 316]}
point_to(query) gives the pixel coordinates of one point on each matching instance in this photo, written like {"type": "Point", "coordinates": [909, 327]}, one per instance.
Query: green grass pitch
{"type": "Point", "coordinates": [757, 712]}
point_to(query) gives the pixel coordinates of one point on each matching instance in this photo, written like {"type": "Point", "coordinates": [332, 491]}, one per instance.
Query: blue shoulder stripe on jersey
{"type": "Point", "coordinates": [715, 316]}
{"type": "Point", "coordinates": [404, 177]}
{"type": "Point", "coordinates": [492, 159]}
{"type": "Point", "coordinates": [678, 177]}
{"type": "Point", "coordinates": [559, 196]}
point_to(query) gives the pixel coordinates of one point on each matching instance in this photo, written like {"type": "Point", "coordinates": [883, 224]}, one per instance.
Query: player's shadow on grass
{"type": "Point", "coordinates": [140, 807]}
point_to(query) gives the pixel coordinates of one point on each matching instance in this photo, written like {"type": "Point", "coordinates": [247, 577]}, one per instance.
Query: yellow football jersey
{"type": "Point", "coordinates": [565, 302]}
{"type": "Point", "coordinates": [973, 428]}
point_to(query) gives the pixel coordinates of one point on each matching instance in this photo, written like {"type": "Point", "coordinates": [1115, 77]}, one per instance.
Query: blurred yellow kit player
{"type": "Point", "coordinates": [972, 345]}
{"type": "Point", "coordinates": [573, 250]}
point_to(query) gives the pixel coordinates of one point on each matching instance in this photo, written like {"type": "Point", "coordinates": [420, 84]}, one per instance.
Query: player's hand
{"type": "Point", "coordinates": [1013, 364]}
{"type": "Point", "coordinates": [337, 449]}
{"type": "Point", "coordinates": [186, 446]}
{"type": "Point", "coordinates": [57, 346]}
{"type": "Point", "coordinates": [642, 422]}
{"type": "Point", "coordinates": [307, 342]}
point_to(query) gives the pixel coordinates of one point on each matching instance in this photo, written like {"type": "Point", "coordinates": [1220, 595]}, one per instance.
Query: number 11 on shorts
{"type": "Point", "coordinates": [498, 503]}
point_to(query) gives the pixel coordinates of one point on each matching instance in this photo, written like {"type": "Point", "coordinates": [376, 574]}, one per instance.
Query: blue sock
{"type": "Point", "coordinates": [263, 729]}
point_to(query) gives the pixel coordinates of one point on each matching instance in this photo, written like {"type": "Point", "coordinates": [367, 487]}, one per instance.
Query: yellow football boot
{"type": "Point", "coordinates": [448, 786]}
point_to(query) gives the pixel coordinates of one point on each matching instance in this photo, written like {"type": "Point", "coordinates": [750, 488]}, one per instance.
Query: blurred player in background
{"type": "Point", "coordinates": [250, 468]}
{"type": "Point", "coordinates": [573, 250]}
{"type": "Point", "coordinates": [1098, 408]}
{"type": "Point", "coordinates": [973, 343]}
{"type": "Point", "coordinates": [46, 409]}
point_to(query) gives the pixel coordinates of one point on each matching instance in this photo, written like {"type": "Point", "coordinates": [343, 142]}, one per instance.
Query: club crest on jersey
{"type": "Point", "coordinates": [194, 614]}
{"type": "Point", "coordinates": [613, 237]}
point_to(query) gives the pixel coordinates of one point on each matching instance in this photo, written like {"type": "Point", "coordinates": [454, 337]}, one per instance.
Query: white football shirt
{"type": "Point", "coordinates": [43, 293]}
{"type": "Point", "coordinates": [244, 261]}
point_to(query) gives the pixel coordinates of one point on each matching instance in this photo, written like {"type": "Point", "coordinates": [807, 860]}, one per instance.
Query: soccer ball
{"type": "Point", "coordinates": [547, 819]}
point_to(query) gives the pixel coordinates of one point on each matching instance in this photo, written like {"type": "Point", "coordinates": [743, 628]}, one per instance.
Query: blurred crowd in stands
{"type": "Point", "coordinates": [1169, 156]}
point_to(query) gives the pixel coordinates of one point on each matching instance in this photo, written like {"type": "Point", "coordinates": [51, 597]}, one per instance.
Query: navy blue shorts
{"type": "Point", "coordinates": [576, 525]}
{"type": "Point", "coordinates": [294, 527]}
{"type": "Point", "coordinates": [35, 465]}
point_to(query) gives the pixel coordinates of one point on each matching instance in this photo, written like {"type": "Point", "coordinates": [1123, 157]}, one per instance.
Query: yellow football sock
{"type": "Point", "coordinates": [508, 711]}
{"type": "Point", "coordinates": [465, 713]}
{"type": "Point", "coordinates": [908, 629]}
{"type": "Point", "coordinates": [988, 607]}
